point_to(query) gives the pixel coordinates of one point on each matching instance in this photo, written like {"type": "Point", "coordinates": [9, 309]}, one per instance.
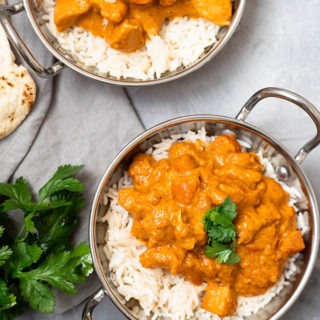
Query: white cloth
{"type": "Point", "coordinates": [74, 120]}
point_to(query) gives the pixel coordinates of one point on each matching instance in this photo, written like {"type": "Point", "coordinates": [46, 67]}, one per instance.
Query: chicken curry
{"type": "Point", "coordinates": [169, 198]}
{"type": "Point", "coordinates": [126, 24]}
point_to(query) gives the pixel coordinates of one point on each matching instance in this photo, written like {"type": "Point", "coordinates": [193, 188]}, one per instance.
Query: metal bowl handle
{"type": "Point", "coordinates": [92, 303]}
{"type": "Point", "coordinates": [301, 102]}
{"type": "Point", "coordinates": [20, 46]}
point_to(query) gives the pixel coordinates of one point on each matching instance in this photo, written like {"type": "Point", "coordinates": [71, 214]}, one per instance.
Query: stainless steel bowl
{"type": "Point", "coordinates": [287, 166]}
{"type": "Point", "coordinates": [33, 10]}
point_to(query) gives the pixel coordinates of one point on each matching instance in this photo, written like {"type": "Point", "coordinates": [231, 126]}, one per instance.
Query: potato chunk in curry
{"type": "Point", "coordinates": [131, 22]}
{"type": "Point", "coordinates": [169, 197]}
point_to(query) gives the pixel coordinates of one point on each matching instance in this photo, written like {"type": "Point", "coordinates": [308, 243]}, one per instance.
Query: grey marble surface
{"type": "Point", "coordinates": [276, 44]}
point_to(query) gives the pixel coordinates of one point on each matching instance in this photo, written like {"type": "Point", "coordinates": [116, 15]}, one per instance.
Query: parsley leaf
{"type": "Point", "coordinates": [56, 226]}
{"type": "Point", "coordinates": [5, 251]}
{"type": "Point", "coordinates": [61, 270]}
{"type": "Point", "coordinates": [37, 294]}
{"type": "Point", "coordinates": [6, 300]}
{"type": "Point", "coordinates": [61, 181]}
{"type": "Point", "coordinates": [221, 233]}
{"type": "Point", "coordinates": [19, 193]}
{"type": "Point", "coordinates": [41, 257]}
{"type": "Point", "coordinates": [23, 256]}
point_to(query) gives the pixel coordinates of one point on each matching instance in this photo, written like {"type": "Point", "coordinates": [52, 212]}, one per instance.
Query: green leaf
{"type": "Point", "coordinates": [6, 300]}
{"type": "Point", "coordinates": [224, 253]}
{"type": "Point", "coordinates": [58, 185]}
{"type": "Point", "coordinates": [38, 295]}
{"type": "Point", "coordinates": [29, 224]}
{"type": "Point", "coordinates": [4, 315]}
{"type": "Point", "coordinates": [221, 232]}
{"type": "Point", "coordinates": [56, 226]}
{"type": "Point", "coordinates": [233, 258]}
{"type": "Point", "coordinates": [66, 171]}
{"type": "Point", "coordinates": [61, 270]}
{"type": "Point", "coordinates": [61, 181]}
{"type": "Point", "coordinates": [82, 257]}
{"type": "Point", "coordinates": [19, 307]}
{"type": "Point", "coordinates": [5, 253]}
{"type": "Point", "coordinates": [9, 205]}
{"type": "Point", "coordinates": [23, 256]}
{"type": "Point", "coordinates": [229, 208]}
{"type": "Point", "coordinates": [75, 200]}
{"type": "Point", "coordinates": [19, 191]}
{"type": "Point", "coordinates": [215, 249]}
{"type": "Point", "coordinates": [41, 259]}
{"type": "Point", "coordinates": [45, 205]}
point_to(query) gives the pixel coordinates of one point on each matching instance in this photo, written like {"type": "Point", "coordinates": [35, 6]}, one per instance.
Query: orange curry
{"type": "Point", "coordinates": [169, 197]}
{"type": "Point", "coordinates": [130, 22]}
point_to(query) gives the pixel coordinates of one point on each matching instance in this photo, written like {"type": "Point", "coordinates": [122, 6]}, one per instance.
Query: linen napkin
{"type": "Point", "coordinates": [88, 123]}
{"type": "Point", "coordinates": [74, 120]}
{"type": "Point", "coordinates": [14, 147]}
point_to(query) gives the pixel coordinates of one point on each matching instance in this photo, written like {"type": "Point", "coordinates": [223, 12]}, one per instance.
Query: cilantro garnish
{"type": "Point", "coordinates": [221, 233]}
{"type": "Point", "coordinates": [40, 257]}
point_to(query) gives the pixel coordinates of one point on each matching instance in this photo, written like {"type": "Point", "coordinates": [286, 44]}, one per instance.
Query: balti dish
{"type": "Point", "coordinates": [169, 198]}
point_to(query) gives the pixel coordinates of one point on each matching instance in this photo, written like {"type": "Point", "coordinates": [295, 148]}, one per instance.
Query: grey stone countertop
{"type": "Point", "coordinates": [276, 44]}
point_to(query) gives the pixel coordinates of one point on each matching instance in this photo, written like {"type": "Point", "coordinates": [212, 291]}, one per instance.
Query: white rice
{"type": "Point", "coordinates": [160, 294]}
{"type": "Point", "coordinates": [181, 42]}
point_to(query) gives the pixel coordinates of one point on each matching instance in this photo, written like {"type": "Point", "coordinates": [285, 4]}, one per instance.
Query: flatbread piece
{"type": "Point", "coordinates": [17, 89]}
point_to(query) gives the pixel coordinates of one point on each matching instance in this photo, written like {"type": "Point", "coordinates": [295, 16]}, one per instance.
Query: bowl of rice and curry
{"type": "Point", "coordinates": [206, 217]}
{"type": "Point", "coordinates": [126, 42]}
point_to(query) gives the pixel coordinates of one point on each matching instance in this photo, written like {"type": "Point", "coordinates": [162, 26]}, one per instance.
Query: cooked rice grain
{"type": "Point", "coordinates": [181, 42]}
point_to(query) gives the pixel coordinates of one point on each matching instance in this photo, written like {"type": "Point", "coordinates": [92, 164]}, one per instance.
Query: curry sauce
{"type": "Point", "coordinates": [169, 197]}
{"type": "Point", "coordinates": [126, 24]}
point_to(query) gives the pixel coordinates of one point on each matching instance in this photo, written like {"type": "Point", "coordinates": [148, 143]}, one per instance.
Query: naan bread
{"type": "Point", "coordinates": [17, 89]}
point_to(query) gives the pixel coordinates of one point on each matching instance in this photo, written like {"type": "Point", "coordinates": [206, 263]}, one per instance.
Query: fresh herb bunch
{"type": "Point", "coordinates": [40, 256]}
{"type": "Point", "coordinates": [221, 233]}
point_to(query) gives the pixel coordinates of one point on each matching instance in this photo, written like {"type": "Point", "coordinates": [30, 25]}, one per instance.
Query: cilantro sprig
{"type": "Point", "coordinates": [40, 257]}
{"type": "Point", "coordinates": [221, 232]}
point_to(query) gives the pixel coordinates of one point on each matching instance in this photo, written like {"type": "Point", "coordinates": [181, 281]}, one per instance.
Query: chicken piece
{"type": "Point", "coordinates": [184, 163]}
{"type": "Point", "coordinates": [167, 3]}
{"type": "Point", "coordinates": [223, 145]}
{"type": "Point", "coordinates": [129, 36]}
{"type": "Point", "coordinates": [67, 12]}
{"type": "Point", "coordinates": [112, 11]}
{"type": "Point", "coordinates": [253, 220]}
{"type": "Point", "coordinates": [274, 192]}
{"type": "Point", "coordinates": [138, 231]}
{"type": "Point", "coordinates": [197, 266]}
{"type": "Point", "coordinates": [185, 148]}
{"type": "Point", "coordinates": [195, 215]}
{"type": "Point", "coordinates": [246, 160]}
{"type": "Point", "coordinates": [216, 11]}
{"type": "Point", "coordinates": [290, 243]}
{"type": "Point", "coordinates": [141, 167]}
{"type": "Point", "coordinates": [142, 1]}
{"type": "Point", "coordinates": [248, 176]}
{"type": "Point", "coordinates": [184, 188]}
{"type": "Point", "coordinates": [134, 202]}
{"type": "Point", "coordinates": [260, 267]}
{"type": "Point", "coordinates": [168, 257]}
{"type": "Point", "coordinates": [220, 300]}
{"type": "Point", "coordinates": [92, 21]}
{"type": "Point", "coordinates": [165, 224]}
